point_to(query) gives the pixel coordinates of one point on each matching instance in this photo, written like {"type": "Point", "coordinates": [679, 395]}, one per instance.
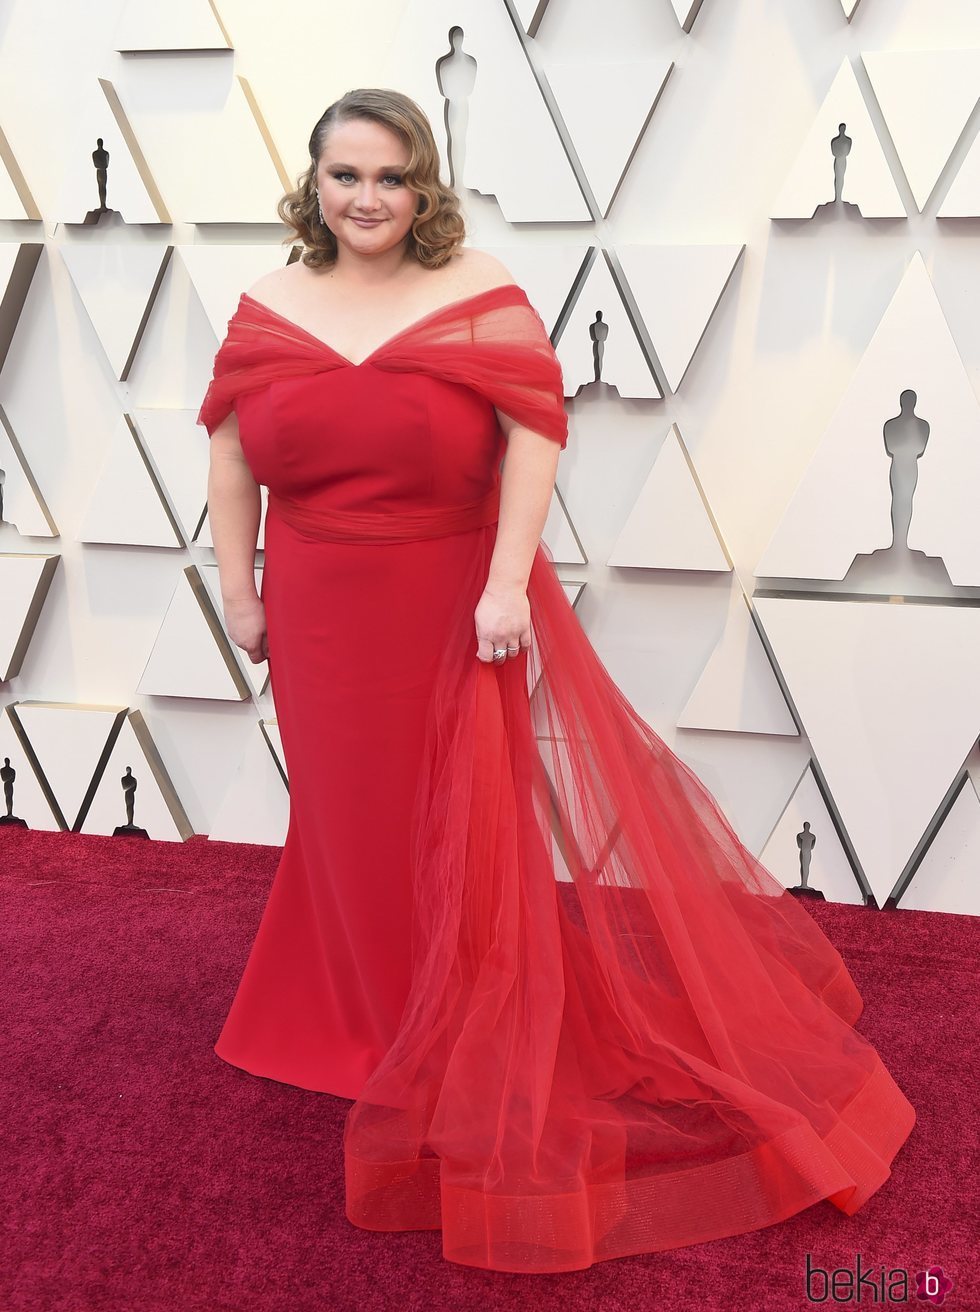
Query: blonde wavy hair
{"type": "Point", "coordinates": [437, 229]}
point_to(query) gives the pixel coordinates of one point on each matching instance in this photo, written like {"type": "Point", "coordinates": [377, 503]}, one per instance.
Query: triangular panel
{"type": "Point", "coordinates": [18, 260]}
{"type": "Point", "coordinates": [605, 108]}
{"type": "Point", "coordinates": [29, 800]}
{"type": "Point", "coordinates": [219, 274]}
{"type": "Point", "coordinates": [117, 283]}
{"type": "Point", "coordinates": [547, 273]}
{"type": "Point", "coordinates": [68, 741]}
{"type": "Point", "coordinates": [963, 198]}
{"type": "Point", "coordinates": [126, 506]}
{"type": "Point", "coordinates": [857, 672]}
{"type": "Point", "coordinates": [686, 11]}
{"type": "Point", "coordinates": [806, 823]}
{"type": "Point", "coordinates": [867, 181]}
{"type": "Point", "coordinates": [130, 190]}
{"type": "Point", "coordinates": [843, 504]}
{"type": "Point", "coordinates": [677, 290]}
{"type": "Point", "coordinates": [16, 200]}
{"type": "Point", "coordinates": [24, 506]}
{"type": "Point", "coordinates": [511, 148]}
{"type": "Point", "coordinates": [599, 336]}
{"type": "Point", "coordinates": [738, 691]}
{"type": "Point", "coordinates": [192, 656]}
{"type": "Point", "coordinates": [207, 119]}
{"type": "Point", "coordinates": [926, 97]}
{"type": "Point", "coordinates": [255, 809]}
{"type": "Point", "coordinates": [177, 25]}
{"type": "Point", "coordinates": [670, 525]}
{"type": "Point", "coordinates": [171, 440]}
{"type": "Point", "coordinates": [948, 876]}
{"type": "Point", "coordinates": [24, 582]}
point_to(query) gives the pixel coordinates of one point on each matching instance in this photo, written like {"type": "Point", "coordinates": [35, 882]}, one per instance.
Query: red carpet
{"type": "Point", "coordinates": [143, 1174]}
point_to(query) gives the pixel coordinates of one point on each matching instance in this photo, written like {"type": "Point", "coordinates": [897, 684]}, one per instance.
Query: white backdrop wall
{"type": "Point", "coordinates": [788, 336]}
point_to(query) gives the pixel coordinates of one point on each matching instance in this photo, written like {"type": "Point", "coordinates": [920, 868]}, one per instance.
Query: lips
{"type": "Point", "coordinates": [365, 223]}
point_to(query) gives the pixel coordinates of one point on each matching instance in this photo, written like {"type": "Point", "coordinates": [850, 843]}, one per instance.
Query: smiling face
{"type": "Point", "coordinates": [365, 203]}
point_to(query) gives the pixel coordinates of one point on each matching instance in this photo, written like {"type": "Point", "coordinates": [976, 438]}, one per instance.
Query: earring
{"type": "Point", "coordinates": [319, 206]}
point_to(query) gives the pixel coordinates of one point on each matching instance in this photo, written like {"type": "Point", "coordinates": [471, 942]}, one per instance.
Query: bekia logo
{"type": "Point", "coordinates": [865, 1285]}
{"type": "Point", "coordinates": [932, 1286]}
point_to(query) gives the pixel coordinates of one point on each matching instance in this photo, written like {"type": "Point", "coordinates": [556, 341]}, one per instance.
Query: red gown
{"type": "Point", "coordinates": [577, 1017]}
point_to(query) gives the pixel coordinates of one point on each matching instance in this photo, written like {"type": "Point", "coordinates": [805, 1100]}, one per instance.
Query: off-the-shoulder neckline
{"type": "Point", "coordinates": [512, 289]}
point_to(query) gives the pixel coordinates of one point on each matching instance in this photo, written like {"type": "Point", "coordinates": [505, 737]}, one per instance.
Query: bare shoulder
{"type": "Point", "coordinates": [478, 271]}
{"type": "Point", "coordinates": [271, 286]}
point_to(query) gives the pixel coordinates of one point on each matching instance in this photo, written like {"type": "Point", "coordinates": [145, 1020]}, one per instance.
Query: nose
{"type": "Point", "coordinates": [367, 197]}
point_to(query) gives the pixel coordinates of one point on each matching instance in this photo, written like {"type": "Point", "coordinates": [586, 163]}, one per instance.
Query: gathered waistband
{"type": "Point", "coordinates": [387, 525]}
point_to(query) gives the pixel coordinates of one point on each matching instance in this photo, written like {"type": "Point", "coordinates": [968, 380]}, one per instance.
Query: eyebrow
{"type": "Point", "coordinates": [385, 168]}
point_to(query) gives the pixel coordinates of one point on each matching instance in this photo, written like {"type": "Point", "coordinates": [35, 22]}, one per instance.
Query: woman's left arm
{"type": "Point", "coordinates": [503, 615]}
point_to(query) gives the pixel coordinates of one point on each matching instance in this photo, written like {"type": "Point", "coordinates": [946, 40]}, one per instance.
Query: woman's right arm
{"type": "Point", "coordinates": [234, 509]}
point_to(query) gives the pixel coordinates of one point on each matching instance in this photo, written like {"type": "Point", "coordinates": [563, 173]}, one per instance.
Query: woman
{"type": "Point", "coordinates": [578, 1018]}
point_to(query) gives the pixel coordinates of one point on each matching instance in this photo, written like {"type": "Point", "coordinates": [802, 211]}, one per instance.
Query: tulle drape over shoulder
{"type": "Point", "coordinates": [623, 1033]}
{"type": "Point", "coordinates": [493, 341]}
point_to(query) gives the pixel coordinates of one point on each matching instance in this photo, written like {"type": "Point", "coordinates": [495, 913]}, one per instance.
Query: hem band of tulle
{"type": "Point", "coordinates": [571, 1231]}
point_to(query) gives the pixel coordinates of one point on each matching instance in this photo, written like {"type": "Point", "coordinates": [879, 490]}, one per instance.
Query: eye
{"type": "Point", "coordinates": [340, 174]}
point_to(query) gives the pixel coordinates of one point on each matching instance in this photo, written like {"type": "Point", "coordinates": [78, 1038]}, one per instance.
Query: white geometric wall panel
{"type": "Point", "coordinates": [737, 691]}
{"type": "Point", "coordinates": [606, 123]}
{"type": "Point", "coordinates": [255, 808]}
{"type": "Point", "coordinates": [68, 741]}
{"type": "Point", "coordinates": [889, 698]}
{"type": "Point", "coordinates": [171, 440]}
{"type": "Point", "coordinates": [156, 807]}
{"type": "Point", "coordinates": [843, 504]}
{"type": "Point", "coordinates": [829, 870]}
{"type": "Point", "coordinates": [926, 97]}
{"type": "Point", "coordinates": [670, 525]}
{"type": "Point", "coordinates": [948, 876]}
{"type": "Point", "coordinates": [18, 261]}
{"type": "Point", "coordinates": [130, 190]}
{"type": "Point", "coordinates": [192, 655]}
{"type": "Point", "coordinates": [547, 273]}
{"type": "Point", "coordinates": [512, 147]}
{"type": "Point", "coordinates": [127, 507]}
{"type": "Point", "coordinates": [677, 290]}
{"type": "Point", "coordinates": [177, 25]}
{"type": "Point", "coordinates": [208, 114]}
{"type": "Point", "coordinates": [529, 13]}
{"type": "Point", "coordinates": [24, 581]}
{"type": "Point", "coordinates": [29, 801]}
{"type": "Point", "coordinates": [117, 284]}
{"type": "Point", "coordinates": [559, 534]}
{"type": "Point", "coordinates": [219, 275]}
{"type": "Point", "coordinates": [686, 11]}
{"type": "Point", "coordinates": [963, 198]}
{"type": "Point", "coordinates": [624, 364]}
{"type": "Point", "coordinates": [257, 674]}
{"type": "Point", "coordinates": [16, 201]}
{"type": "Point", "coordinates": [849, 6]}
{"type": "Point", "coordinates": [23, 504]}
{"type": "Point", "coordinates": [867, 183]}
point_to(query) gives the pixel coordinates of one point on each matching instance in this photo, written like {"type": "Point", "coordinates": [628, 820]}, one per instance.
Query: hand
{"type": "Point", "coordinates": [503, 619]}
{"type": "Point", "coordinates": [245, 622]}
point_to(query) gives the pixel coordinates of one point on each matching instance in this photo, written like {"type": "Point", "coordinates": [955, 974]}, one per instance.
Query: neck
{"type": "Point", "coordinates": [373, 270]}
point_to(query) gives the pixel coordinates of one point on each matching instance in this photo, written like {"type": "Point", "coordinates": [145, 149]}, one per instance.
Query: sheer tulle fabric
{"type": "Point", "coordinates": [493, 342]}
{"type": "Point", "coordinates": [623, 1034]}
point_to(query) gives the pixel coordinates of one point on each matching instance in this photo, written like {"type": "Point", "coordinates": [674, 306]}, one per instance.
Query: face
{"type": "Point", "coordinates": [359, 176]}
